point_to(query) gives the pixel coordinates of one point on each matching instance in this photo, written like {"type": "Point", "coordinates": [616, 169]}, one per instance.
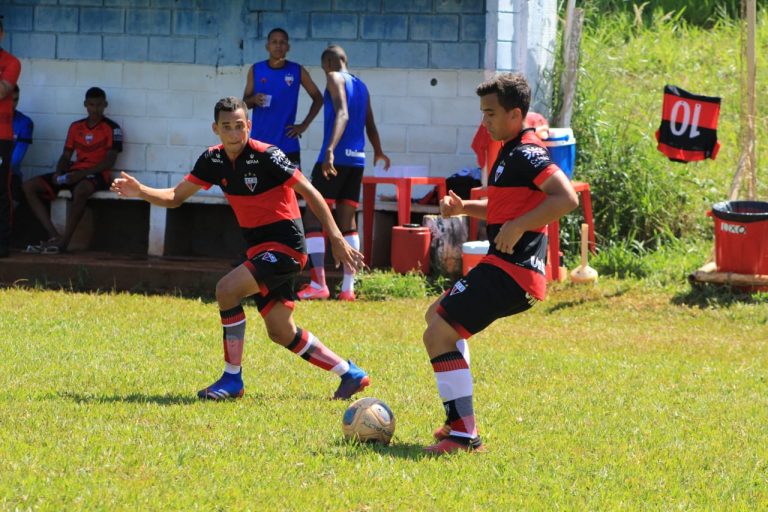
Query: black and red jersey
{"type": "Point", "coordinates": [688, 130]}
{"type": "Point", "coordinates": [522, 166]}
{"type": "Point", "coordinates": [10, 68]}
{"type": "Point", "coordinates": [92, 143]}
{"type": "Point", "coordinates": [258, 186]}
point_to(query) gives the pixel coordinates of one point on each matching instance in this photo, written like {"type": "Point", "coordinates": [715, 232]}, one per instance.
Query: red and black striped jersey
{"type": "Point", "coordinates": [688, 129]}
{"type": "Point", "coordinates": [259, 188]}
{"type": "Point", "coordinates": [522, 166]}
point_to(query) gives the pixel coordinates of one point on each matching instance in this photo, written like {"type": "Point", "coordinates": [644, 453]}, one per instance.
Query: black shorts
{"type": "Point", "coordinates": [482, 296]}
{"type": "Point", "coordinates": [275, 273]}
{"type": "Point", "coordinates": [98, 180]}
{"type": "Point", "coordinates": [342, 188]}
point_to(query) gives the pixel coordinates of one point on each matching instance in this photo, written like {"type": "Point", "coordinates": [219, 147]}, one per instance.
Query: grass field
{"type": "Point", "coordinates": [621, 396]}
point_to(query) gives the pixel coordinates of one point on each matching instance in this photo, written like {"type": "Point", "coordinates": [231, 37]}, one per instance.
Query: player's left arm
{"type": "Point", "coordinates": [309, 85]}
{"type": "Point", "coordinates": [373, 135]}
{"type": "Point", "coordinates": [560, 199]}
{"type": "Point", "coordinates": [342, 251]}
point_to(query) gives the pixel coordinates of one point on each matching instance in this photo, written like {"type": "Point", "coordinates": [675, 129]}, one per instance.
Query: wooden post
{"type": "Point", "coordinates": [571, 41]}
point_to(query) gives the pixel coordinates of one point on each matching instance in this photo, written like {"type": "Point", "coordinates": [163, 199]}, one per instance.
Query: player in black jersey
{"type": "Point", "coordinates": [526, 191]}
{"type": "Point", "coordinates": [259, 183]}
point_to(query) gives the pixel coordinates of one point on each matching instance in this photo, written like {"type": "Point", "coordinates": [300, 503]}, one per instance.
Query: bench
{"type": "Point", "coordinates": [158, 236]}
{"type": "Point", "coordinates": [157, 215]}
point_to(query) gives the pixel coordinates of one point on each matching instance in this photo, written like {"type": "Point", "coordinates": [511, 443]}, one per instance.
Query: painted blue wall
{"type": "Point", "coordinates": [376, 33]}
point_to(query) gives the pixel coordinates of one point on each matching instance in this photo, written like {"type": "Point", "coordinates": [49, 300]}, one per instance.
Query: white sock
{"type": "Point", "coordinates": [348, 281]}
{"type": "Point", "coordinates": [231, 368]}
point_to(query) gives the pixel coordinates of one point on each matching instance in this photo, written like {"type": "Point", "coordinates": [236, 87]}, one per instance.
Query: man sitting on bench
{"type": "Point", "coordinates": [95, 140]}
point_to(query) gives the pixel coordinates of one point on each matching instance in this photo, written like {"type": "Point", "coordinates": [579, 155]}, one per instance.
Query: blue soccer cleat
{"type": "Point", "coordinates": [351, 382]}
{"type": "Point", "coordinates": [228, 386]}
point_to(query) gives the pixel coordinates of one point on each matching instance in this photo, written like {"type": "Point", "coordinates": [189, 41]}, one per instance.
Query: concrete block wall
{"type": "Point", "coordinates": [425, 117]}
{"type": "Point", "coordinates": [164, 63]}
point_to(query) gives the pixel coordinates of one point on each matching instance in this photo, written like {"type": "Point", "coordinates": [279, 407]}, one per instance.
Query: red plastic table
{"type": "Point", "coordinates": [553, 229]}
{"type": "Point", "coordinates": [403, 187]}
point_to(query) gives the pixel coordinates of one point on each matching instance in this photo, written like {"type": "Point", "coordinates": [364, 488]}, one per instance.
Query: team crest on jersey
{"type": "Point", "coordinates": [250, 182]}
{"type": "Point", "coordinates": [88, 138]}
{"type": "Point", "coordinates": [268, 256]}
{"type": "Point", "coordinates": [458, 287]}
{"type": "Point", "coordinates": [289, 79]}
{"type": "Point", "coordinates": [535, 154]}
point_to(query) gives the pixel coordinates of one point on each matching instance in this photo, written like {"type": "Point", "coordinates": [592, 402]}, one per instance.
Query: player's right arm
{"type": "Point", "coordinates": [338, 93]}
{"type": "Point", "coordinates": [251, 99]}
{"type": "Point", "coordinates": [452, 205]}
{"type": "Point", "coordinates": [128, 186]}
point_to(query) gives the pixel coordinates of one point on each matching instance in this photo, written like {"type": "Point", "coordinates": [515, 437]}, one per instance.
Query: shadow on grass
{"type": "Point", "coordinates": [708, 295]}
{"type": "Point", "coordinates": [409, 451]}
{"type": "Point", "coordinates": [171, 399]}
{"type": "Point", "coordinates": [584, 300]}
{"type": "Point", "coordinates": [137, 398]}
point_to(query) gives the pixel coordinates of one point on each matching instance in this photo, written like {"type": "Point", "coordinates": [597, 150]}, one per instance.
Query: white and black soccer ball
{"type": "Point", "coordinates": [368, 420]}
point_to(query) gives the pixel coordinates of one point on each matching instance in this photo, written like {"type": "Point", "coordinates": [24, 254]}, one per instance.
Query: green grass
{"type": "Point", "coordinates": [618, 396]}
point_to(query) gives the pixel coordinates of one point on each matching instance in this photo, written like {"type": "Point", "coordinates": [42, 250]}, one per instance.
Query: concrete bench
{"type": "Point", "coordinates": [157, 236]}
{"type": "Point", "coordinates": [157, 215]}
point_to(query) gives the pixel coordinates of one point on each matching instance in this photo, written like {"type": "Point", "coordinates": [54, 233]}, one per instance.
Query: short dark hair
{"type": "Point", "coordinates": [335, 50]}
{"type": "Point", "coordinates": [95, 92]}
{"type": "Point", "coordinates": [278, 29]}
{"type": "Point", "coordinates": [511, 89]}
{"type": "Point", "coordinates": [229, 104]}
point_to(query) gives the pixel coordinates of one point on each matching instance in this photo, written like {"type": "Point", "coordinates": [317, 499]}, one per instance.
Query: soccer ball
{"type": "Point", "coordinates": [368, 420]}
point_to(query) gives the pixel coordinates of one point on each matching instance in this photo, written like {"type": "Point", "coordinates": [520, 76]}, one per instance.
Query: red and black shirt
{"type": "Point", "coordinates": [10, 68]}
{"type": "Point", "coordinates": [258, 186]}
{"type": "Point", "coordinates": [92, 143]}
{"type": "Point", "coordinates": [522, 166]}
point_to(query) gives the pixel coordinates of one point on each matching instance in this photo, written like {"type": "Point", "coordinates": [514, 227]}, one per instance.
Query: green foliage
{"type": "Point", "coordinates": [386, 285]}
{"type": "Point", "coordinates": [641, 200]}
{"type": "Point", "coordinates": [700, 12]}
{"type": "Point", "coordinates": [607, 397]}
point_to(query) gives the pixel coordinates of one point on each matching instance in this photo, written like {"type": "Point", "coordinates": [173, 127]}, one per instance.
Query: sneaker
{"type": "Point", "coordinates": [309, 292]}
{"type": "Point", "coordinates": [228, 386]}
{"type": "Point", "coordinates": [348, 296]}
{"type": "Point", "coordinates": [442, 432]}
{"type": "Point", "coordinates": [354, 381]}
{"type": "Point", "coordinates": [452, 444]}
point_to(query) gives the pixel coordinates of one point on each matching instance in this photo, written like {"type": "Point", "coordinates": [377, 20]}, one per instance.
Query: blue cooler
{"type": "Point", "coordinates": [562, 147]}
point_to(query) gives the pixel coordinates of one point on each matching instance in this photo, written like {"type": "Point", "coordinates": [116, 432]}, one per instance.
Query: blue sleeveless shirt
{"type": "Point", "coordinates": [351, 148]}
{"type": "Point", "coordinates": [269, 124]}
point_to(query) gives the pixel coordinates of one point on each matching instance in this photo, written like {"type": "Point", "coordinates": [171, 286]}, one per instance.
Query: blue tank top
{"type": "Point", "coordinates": [351, 148]}
{"type": "Point", "coordinates": [269, 123]}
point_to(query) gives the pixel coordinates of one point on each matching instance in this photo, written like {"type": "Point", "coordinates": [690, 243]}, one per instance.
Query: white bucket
{"type": "Point", "coordinates": [472, 253]}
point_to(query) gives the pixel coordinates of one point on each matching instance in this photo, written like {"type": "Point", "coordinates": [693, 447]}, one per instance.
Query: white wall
{"type": "Point", "coordinates": [166, 111]}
